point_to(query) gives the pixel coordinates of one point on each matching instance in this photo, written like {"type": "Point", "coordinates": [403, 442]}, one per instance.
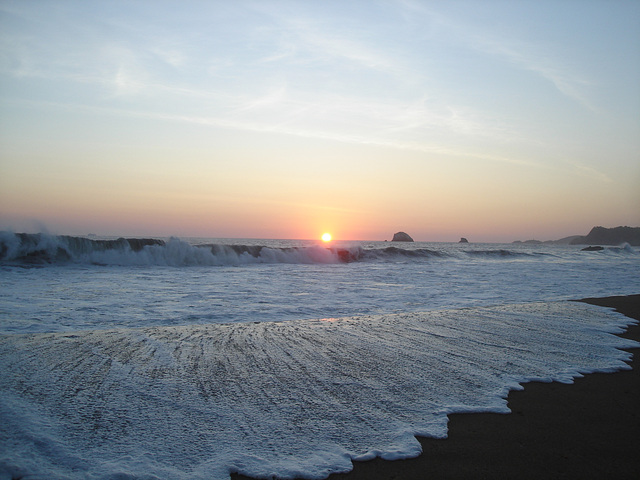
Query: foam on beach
{"type": "Point", "coordinates": [296, 398]}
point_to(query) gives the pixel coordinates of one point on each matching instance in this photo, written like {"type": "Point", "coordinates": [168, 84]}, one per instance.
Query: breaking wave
{"type": "Point", "coordinates": [42, 249]}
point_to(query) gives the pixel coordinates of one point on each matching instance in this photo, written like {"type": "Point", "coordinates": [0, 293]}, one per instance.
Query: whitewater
{"type": "Point", "coordinates": [197, 358]}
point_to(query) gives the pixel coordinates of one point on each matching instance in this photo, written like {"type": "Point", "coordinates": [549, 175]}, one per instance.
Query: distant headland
{"type": "Point", "coordinates": [598, 236]}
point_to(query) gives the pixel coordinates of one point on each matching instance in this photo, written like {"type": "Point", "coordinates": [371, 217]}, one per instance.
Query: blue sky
{"type": "Point", "coordinates": [492, 120]}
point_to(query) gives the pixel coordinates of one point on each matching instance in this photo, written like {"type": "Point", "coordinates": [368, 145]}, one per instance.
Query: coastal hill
{"type": "Point", "coordinates": [599, 236]}
{"type": "Point", "coordinates": [610, 236]}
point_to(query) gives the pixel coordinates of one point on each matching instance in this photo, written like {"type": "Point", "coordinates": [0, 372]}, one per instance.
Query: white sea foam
{"type": "Point", "coordinates": [297, 398]}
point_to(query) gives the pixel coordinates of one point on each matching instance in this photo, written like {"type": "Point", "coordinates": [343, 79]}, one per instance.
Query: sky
{"type": "Point", "coordinates": [492, 120]}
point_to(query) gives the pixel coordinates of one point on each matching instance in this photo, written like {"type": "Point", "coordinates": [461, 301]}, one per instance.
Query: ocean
{"type": "Point", "coordinates": [195, 358]}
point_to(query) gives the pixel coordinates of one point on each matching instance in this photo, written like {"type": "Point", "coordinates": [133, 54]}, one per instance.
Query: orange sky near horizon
{"type": "Point", "coordinates": [438, 204]}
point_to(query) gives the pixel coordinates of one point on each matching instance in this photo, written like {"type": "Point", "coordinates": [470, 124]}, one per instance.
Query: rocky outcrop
{"type": "Point", "coordinates": [610, 236]}
{"type": "Point", "coordinates": [401, 237]}
{"type": "Point", "coordinates": [592, 249]}
{"type": "Point", "coordinates": [463, 240]}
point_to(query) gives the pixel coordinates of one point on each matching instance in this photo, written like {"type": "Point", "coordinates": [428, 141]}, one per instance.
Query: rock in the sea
{"type": "Point", "coordinates": [401, 237]}
{"type": "Point", "coordinates": [463, 240]}
{"type": "Point", "coordinates": [592, 248]}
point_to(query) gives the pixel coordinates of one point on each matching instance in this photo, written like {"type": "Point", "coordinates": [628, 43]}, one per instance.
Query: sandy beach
{"type": "Point", "coordinates": [588, 429]}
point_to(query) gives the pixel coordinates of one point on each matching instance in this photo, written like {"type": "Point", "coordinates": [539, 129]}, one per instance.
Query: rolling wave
{"type": "Point", "coordinates": [42, 249]}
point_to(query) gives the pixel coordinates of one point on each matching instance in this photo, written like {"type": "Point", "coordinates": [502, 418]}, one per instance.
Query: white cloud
{"type": "Point", "coordinates": [326, 40]}
{"type": "Point", "coordinates": [535, 59]}
{"type": "Point", "coordinates": [590, 172]}
{"type": "Point", "coordinates": [171, 56]}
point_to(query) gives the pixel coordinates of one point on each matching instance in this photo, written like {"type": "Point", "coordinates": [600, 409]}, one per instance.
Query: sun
{"type": "Point", "coordinates": [326, 237]}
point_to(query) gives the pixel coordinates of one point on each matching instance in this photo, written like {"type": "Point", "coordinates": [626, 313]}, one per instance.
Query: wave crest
{"type": "Point", "coordinates": [42, 249]}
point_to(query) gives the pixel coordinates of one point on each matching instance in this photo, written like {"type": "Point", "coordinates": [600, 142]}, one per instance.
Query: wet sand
{"type": "Point", "coordinates": [590, 429]}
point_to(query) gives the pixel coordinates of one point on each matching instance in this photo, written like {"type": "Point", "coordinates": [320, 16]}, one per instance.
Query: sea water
{"type": "Point", "coordinates": [196, 358]}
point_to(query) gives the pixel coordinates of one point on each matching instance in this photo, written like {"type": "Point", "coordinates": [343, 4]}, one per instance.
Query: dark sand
{"type": "Point", "coordinates": [590, 429]}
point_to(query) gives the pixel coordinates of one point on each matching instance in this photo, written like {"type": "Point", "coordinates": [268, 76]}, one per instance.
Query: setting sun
{"type": "Point", "coordinates": [326, 237]}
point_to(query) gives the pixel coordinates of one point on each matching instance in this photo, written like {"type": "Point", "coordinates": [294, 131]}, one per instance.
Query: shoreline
{"type": "Point", "coordinates": [588, 429]}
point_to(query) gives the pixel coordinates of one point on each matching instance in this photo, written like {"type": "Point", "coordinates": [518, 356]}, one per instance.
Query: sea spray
{"type": "Point", "coordinates": [43, 249]}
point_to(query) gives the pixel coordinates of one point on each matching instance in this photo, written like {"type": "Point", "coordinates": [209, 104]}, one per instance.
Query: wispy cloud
{"type": "Point", "coordinates": [321, 40]}
{"type": "Point", "coordinates": [338, 46]}
{"type": "Point", "coordinates": [534, 57]}
{"type": "Point", "coordinates": [303, 76]}
{"type": "Point", "coordinates": [127, 74]}
{"type": "Point", "coordinates": [299, 130]}
{"type": "Point", "coordinates": [275, 98]}
{"type": "Point", "coordinates": [529, 57]}
{"type": "Point", "coordinates": [590, 172]}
